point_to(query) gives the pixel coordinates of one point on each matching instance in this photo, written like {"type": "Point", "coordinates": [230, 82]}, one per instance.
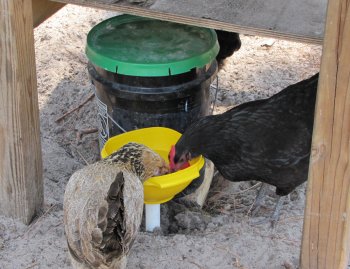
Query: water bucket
{"type": "Point", "coordinates": [149, 73]}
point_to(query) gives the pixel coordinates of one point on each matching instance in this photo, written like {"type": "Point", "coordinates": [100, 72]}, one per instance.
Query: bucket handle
{"type": "Point", "coordinates": [117, 124]}
{"type": "Point", "coordinates": [214, 86]}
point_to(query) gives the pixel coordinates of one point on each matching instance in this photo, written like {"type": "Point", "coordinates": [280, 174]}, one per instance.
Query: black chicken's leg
{"type": "Point", "coordinates": [258, 203]}
{"type": "Point", "coordinates": [259, 199]}
{"type": "Point", "coordinates": [275, 215]}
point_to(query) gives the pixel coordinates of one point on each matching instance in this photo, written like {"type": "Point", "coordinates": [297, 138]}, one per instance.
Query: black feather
{"type": "Point", "coordinates": [229, 43]}
{"type": "Point", "coordinates": [267, 140]}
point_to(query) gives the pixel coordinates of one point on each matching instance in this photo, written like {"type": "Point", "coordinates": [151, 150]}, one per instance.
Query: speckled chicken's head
{"type": "Point", "coordinates": [141, 160]}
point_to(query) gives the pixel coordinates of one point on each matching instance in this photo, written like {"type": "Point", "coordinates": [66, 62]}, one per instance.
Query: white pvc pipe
{"type": "Point", "coordinates": [152, 217]}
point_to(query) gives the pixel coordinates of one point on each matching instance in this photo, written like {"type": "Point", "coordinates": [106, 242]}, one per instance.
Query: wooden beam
{"type": "Point", "coordinates": [43, 9]}
{"type": "Point", "coordinates": [298, 20]}
{"type": "Point", "coordinates": [326, 237]}
{"type": "Point", "coordinates": [199, 196]}
{"type": "Point", "coordinates": [21, 184]}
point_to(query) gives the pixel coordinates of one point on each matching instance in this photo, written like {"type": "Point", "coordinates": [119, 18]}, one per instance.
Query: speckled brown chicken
{"type": "Point", "coordinates": [103, 205]}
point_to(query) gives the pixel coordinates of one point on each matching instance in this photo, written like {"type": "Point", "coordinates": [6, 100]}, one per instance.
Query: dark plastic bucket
{"type": "Point", "coordinates": [127, 103]}
{"type": "Point", "coordinates": [150, 73]}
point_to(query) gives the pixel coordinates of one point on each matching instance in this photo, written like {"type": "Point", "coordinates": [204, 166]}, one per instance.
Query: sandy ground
{"type": "Point", "coordinates": [217, 237]}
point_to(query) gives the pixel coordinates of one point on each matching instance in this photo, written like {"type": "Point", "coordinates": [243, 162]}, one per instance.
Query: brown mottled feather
{"type": "Point", "coordinates": [103, 205]}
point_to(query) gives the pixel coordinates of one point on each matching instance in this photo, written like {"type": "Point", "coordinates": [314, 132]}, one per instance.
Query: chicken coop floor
{"type": "Point", "coordinates": [221, 236]}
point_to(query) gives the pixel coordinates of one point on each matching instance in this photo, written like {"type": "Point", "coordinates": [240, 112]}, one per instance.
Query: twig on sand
{"type": "Point", "coordinates": [76, 108]}
{"type": "Point", "coordinates": [236, 257]}
{"type": "Point", "coordinates": [220, 198]}
{"type": "Point", "coordinates": [248, 189]}
{"type": "Point", "coordinates": [292, 218]}
{"type": "Point", "coordinates": [195, 264]}
{"type": "Point", "coordinates": [287, 265]}
{"type": "Point", "coordinates": [281, 238]}
{"type": "Point", "coordinates": [80, 133]}
{"type": "Point", "coordinates": [184, 260]}
{"type": "Point", "coordinates": [81, 155]}
{"type": "Point", "coordinates": [38, 220]}
{"type": "Point", "coordinates": [32, 265]}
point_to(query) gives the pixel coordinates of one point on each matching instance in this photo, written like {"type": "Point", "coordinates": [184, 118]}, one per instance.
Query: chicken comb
{"type": "Point", "coordinates": [171, 160]}
{"type": "Point", "coordinates": [171, 157]}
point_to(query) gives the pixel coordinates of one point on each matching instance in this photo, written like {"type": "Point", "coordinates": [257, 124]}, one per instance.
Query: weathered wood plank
{"type": "Point", "coordinates": [21, 185]}
{"type": "Point", "coordinates": [326, 238]}
{"type": "Point", "coordinates": [297, 20]}
{"type": "Point", "coordinates": [199, 196]}
{"type": "Point", "coordinates": [43, 9]}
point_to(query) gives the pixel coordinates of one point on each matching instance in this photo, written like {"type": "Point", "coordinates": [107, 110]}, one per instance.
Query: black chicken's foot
{"type": "Point", "coordinates": [255, 207]}
{"type": "Point", "coordinates": [275, 215]}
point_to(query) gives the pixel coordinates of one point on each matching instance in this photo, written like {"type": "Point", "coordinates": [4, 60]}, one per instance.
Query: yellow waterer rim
{"type": "Point", "coordinates": [158, 189]}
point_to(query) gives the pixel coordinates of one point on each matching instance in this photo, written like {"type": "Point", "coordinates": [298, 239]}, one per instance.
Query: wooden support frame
{"type": "Point", "coordinates": [242, 16]}
{"type": "Point", "coordinates": [326, 236]}
{"type": "Point", "coordinates": [21, 185]}
{"type": "Point", "coordinates": [43, 9]}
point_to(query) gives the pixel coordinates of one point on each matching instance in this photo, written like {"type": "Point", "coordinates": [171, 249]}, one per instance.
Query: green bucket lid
{"type": "Point", "coordinates": [144, 47]}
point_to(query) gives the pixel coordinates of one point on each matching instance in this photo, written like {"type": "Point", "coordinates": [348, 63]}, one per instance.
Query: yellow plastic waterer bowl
{"type": "Point", "coordinates": [158, 189]}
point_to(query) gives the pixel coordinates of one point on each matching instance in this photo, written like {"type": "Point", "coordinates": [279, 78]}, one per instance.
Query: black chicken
{"type": "Point", "coordinates": [229, 43]}
{"type": "Point", "coordinates": [267, 140]}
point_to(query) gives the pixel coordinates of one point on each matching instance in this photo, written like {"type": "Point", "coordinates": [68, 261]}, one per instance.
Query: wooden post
{"type": "Point", "coordinates": [326, 237]}
{"type": "Point", "coordinates": [43, 9]}
{"type": "Point", "coordinates": [21, 185]}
